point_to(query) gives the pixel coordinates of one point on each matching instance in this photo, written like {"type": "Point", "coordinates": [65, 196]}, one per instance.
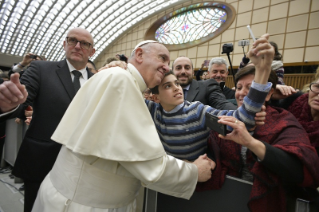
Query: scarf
{"type": "Point", "coordinates": [281, 130]}
{"type": "Point", "coordinates": [302, 111]}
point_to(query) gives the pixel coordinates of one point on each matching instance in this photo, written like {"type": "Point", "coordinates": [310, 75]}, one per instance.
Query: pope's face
{"type": "Point", "coordinates": [156, 64]}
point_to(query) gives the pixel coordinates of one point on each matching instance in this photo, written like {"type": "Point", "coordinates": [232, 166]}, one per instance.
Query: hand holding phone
{"type": "Point", "coordinates": [33, 57]}
{"type": "Point", "coordinates": [212, 123]}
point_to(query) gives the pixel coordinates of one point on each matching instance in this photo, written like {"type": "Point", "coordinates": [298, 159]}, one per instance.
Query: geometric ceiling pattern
{"type": "Point", "coordinates": [190, 25]}
{"type": "Point", "coordinates": [40, 26]}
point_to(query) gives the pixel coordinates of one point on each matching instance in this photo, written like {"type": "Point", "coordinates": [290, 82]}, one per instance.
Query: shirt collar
{"type": "Point", "coordinates": [187, 87]}
{"type": "Point", "coordinates": [71, 68]}
{"type": "Point", "coordinates": [175, 108]}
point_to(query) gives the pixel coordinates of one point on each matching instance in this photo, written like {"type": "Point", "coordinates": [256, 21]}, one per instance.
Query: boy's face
{"type": "Point", "coordinates": [170, 93]}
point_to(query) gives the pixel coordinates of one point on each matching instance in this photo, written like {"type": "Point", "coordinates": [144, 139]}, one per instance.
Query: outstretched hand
{"type": "Point", "coordinates": [283, 91]}
{"type": "Point", "coordinates": [241, 136]}
{"type": "Point", "coordinates": [12, 93]}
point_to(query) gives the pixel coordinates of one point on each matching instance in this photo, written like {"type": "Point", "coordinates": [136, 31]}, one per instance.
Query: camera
{"type": "Point", "coordinates": [227, 48]}
{"type": "Point", "coordinates": [33, 56]}
{"type": "Point", "coordinates": [243, 43]}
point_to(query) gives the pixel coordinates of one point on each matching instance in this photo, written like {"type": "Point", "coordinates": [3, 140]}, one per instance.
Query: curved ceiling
{"type": "Point", "coordinates": [40, 26]}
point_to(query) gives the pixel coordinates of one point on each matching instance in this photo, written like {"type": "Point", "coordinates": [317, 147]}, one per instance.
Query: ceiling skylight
{"type": "Point", "coordinates": [40, 26]}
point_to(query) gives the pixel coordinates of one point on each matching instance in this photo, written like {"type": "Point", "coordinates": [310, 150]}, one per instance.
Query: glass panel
{"type": "Point", "coordinates": [190, 26]}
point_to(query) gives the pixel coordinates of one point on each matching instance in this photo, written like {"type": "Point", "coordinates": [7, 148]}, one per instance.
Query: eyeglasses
{"type": "Point", "coordinates": [314, 87]}
{"type": "Point", "coordinates": [73, 41]}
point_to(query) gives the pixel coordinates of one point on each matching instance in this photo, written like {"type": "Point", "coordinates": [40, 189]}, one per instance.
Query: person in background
{"type": "Point", "coordinates": [275, 157]}
{"type": "Point", "coordinates": [277, 64]}
{"type": "Point", "coordinates": [91, 66]}
{"type": "Point", "coordinates": [121, 57]}
{"type": "Point", "coordinates": [207, 92]}
{"type": "Point", "coordinates": [218, 70]}
{"type": "Point", "coordinates": [201, 74]}
{"type": "Point", "coordinates": [24, 64]}
{"type": "Point", "coordinates": [49, 87]}
{"type": "Point", "coordinates": [147, 94]}
{"type": "Point", "coordinates": [306, 109]}
{"type": "Point", "coordinates": [204, 75]}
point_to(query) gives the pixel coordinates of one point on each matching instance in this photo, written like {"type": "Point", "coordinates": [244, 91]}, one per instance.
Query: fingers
{"type": "Point", "coordinates": [15, 78]}
{"type": "Point", "coordinates": [263, 108]}
{"type": "Point", "coordinates": [286, 90]}
{"type": "Point", "coordinates": [262, 48]}
{"type": "Point", "coordinates": [204, 156]}
{"type": "Point", "coordinates": [17, 120]}
{"type": "Point", "coordinates": [12, 93]}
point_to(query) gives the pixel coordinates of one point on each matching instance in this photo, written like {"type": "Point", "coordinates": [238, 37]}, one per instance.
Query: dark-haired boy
{"type": "Point", "coordinates": [181, 124]}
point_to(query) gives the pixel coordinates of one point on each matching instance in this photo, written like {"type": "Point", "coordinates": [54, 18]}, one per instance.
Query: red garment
{"type": "Point", "coordinates": [282, 131]}
{"type": "Point", "coordinates": [302, 111]}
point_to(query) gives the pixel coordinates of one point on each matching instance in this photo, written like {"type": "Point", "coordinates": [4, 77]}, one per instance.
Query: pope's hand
{"type": "Point", "coordinates": [204, 168]}
{"type": "Point", "coordinates": [12, 93]}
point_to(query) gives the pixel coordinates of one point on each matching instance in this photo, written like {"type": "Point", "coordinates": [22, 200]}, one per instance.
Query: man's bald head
{"type": "Point", "coordinates": [77, 53]}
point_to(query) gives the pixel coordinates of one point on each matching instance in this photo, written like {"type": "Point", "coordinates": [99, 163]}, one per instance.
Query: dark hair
{"type": "Point", "coordinates": [277, 56]}
{"type": "Point", "coordinates": [250, 70]}
{"type": "Point", "coordinates": [90, 61]}
{"type": "Point", "coordinates": [179, 57]}
{"type": "Point", "coordinates": [122, 57]}
{"type": "Point", "coordinates": [155, 89]}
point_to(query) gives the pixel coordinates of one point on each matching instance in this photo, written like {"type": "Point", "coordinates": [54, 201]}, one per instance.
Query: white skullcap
{"type": "Point", "coordinates": [143, 43]}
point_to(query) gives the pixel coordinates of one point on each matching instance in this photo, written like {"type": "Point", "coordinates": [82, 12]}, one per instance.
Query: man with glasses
{"type": "Point", "coordinates": [49, 87]}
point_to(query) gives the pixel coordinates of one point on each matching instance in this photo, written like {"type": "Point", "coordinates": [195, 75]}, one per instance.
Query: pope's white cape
{"type": "Point", "coordinates": [108, 118]}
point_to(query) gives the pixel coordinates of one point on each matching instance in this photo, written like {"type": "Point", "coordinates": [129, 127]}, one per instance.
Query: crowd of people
{"type": "Point", "coordinates": [94, 139]}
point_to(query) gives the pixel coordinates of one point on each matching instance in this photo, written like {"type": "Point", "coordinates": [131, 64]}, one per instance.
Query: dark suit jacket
{"type": "Point", "coordinates": [208, 92]}
{"type": "Point", "coordinates": [229, 93]}
{"type": "Point", "coordinates": [50, 91]}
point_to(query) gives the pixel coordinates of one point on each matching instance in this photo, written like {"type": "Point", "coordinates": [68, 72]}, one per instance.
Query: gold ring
{"type": "Point", "coordinates": [236, 121]}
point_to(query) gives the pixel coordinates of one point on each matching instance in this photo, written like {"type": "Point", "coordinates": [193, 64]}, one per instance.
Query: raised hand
{"type": "Point", "coordinates": [262, 55]}
{"type": "Point", "coordinates": [12, 93]}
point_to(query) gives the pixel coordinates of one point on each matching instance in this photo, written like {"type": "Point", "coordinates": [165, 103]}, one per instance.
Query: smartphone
{"type": "Point", "coordinates": [33, 57]}
{"type": "Point", "coordinates": [212, 123]}
{"type": "Point", "coordinates": [206, 63]}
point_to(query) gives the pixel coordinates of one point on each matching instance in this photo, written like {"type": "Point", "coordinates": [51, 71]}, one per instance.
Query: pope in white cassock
{"type": "Point", "coordinates": [111, 146]}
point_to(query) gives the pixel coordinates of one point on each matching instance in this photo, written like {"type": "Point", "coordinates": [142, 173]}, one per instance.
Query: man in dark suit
{"type": "Point", "coordinates": [51, 87]}
{"type": "Point", "coordinates": [207, 92]}
{"type": "Point", "coordinates": [218, 70]}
